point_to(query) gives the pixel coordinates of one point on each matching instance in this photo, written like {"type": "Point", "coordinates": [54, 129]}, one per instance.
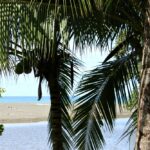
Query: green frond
{"type": "Point", "coordinates": [119, 47]}
{"type": "Point", "coordinates": [65, 84]}
{"type": "Point", "coordinates": [66, 121]}
{"type": "Point", "coordinates": [34, 29]}
{"type": "Point", "coordinates": [89, 21]}
{"type": "Point", "coordinates": [39, 36]}
{"type": "Point", "coordinates": [98, 94]}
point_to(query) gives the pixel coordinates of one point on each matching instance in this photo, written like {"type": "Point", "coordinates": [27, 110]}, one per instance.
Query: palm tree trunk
{"type": "Point", "coordinates": [55, 113]}
{"type": "Point", "coordinates": [143, 131]}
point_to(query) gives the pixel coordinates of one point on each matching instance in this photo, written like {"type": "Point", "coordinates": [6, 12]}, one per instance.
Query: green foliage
{"type": "Point", "coordinates": [30, 26]}
{"type": "Point", "coordinates": [133, 101]}
{"type": "Point", "coordinates": [119, 41]}
{"type": "Point", "coordinates": [98, 93]}
{"type": "Point", "coordinates": [1, 129]}
{"type": "Point", "coordinates": [2, 90]}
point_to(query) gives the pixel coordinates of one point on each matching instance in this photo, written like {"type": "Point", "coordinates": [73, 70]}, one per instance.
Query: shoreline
{"type": "Point", "coordinates": [23, 112]}
{"type": "Point", "coordinates": [31, 112]}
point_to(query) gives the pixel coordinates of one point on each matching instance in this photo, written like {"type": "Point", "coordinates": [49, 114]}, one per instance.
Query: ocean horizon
{"type": "Point", "coordinates": [27, 99]}
{"type": "Point", "coordinates": [24, 99]}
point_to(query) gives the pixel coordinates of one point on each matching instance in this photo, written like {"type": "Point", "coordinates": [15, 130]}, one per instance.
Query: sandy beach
{"type": "Point", "coordinates": [30, 112]}
{"type": "Point", "coordinates": [23, 112]}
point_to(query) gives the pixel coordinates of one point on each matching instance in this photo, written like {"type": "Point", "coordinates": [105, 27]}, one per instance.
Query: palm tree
{"type": "Point", "coordinates": [105, 28]}
{"type": "Point", "coordinates": [143, 131]}
{"type": "Point", "coordinates": [126, 16]}
{"type": "Point", "coordinates": [92, 22]}
{"type": "Point", "coordinates": [132, 17]}
{"type": "Point", "coordinates": [59, 74]}
{"type": "Point", "coordinates": [94, 103]}
{"type": "Point", "coordinates": [38, 40]}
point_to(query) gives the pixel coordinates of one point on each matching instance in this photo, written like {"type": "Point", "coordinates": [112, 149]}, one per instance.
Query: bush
{"type": "Point", "coordinates": [1, 129]}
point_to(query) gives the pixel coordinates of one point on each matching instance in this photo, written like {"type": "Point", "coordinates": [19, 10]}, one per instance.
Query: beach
{"type": "Point", "coordinates": [23, 112]}
{"type": "Point", "coordinates": [31, 112]}
{"type": "Point", "coordinates": [26, 121]}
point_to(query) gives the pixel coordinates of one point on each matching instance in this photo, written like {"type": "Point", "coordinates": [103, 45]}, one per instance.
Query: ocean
{"type": "Point", "coordinates": [24, 99]}
{"type": "Point", "coordinates": [34, 136]}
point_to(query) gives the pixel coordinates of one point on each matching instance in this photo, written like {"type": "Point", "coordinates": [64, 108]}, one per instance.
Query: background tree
{"type": "Point", "coordinates": [1, 129]}
{"type": "Point", "coordinates": [2, 90]}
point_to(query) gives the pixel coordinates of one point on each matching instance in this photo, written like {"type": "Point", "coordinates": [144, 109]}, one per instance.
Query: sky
{"type": "Point", "coordinates": [27, 85]}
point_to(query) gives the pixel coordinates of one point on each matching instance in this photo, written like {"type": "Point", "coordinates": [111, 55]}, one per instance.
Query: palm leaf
{"type": "Point", "coordinates": [97, 96]}
{"type": "Point", "coordinates": [33, 34]}
{"type": "Point", "coordinates": [90, 22]}
{"type": "Point", "coordinates": [65, 84]}
{"type": "Point", "coordinates": [118, 48]}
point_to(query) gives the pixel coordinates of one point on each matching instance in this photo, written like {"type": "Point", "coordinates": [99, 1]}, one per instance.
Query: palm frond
{"type": "Point", "coordinates": [65, 85]}
{"type": "Point", "coordinates": [89, 21]}
{"type": "Point", "coordinates": [118, 48]}
{"type": "Point", "coordinates": [27, 24]}
{"type": "Point", "coordinates": [40, 40]}
{"type": "Point", "coordinates": [98, 94]}
{"type": "Point", "coordinates": [104, 24]}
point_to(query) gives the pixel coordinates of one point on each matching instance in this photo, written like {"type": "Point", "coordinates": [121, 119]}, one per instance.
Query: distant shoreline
{"type": "Point", "coordinates": [31, 112]}
{"type": "Point", "coordinates": [23, 112]}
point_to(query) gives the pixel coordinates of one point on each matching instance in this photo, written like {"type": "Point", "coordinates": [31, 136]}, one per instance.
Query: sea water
{"type": "Point", "coordinates": [24, 99]}
{"type": "Point", "coordinates": [34, 136]}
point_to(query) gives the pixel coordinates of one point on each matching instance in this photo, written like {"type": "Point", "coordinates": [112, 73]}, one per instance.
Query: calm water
{"type": "Point", "coordinates": [34, 136]}
{"type": "Point", "coordinates": [24, 99]}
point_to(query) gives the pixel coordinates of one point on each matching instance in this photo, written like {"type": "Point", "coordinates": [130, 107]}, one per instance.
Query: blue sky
{"type": "Point", "coordinates": [27, 85]}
